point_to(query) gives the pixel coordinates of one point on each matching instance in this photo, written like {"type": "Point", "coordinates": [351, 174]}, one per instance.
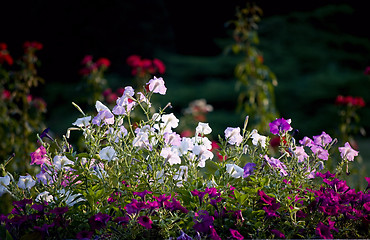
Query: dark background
{"type": "Point", "coordinates": [172, 30]}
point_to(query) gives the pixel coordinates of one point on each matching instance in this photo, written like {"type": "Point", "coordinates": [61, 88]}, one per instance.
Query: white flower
{"type": "Point", "coordinates": [170, 120]}
{"type": "Point", "coordinates": [203, 128]}
{"type": "Point", "coordinates": [100, 106]}
{"type": "Point", "coordinates": [108, 153]}
{"type": "Point", "coordinates": [82, 122]}
{"type": "Point", "coordinates": [181, 175]}
{"type": "Point", "coordinates": [61, 161]}
{"type": "Point", "coordinates": [234, 170]}
{"type": "Point", "coordinates": [233, 136]}
{"type": "Point", "coordinates": [203, 154]}
{"type": "Point", "coordinates": [257, 138]}
{"type": "Point", "coordinates": [170, 155]}
{"type": "Point", "coordinates": [26, 182]}
{"type": "Point", "coordinates": [4, 181]}
{"type": "Point", "coordinates": [44, 197]}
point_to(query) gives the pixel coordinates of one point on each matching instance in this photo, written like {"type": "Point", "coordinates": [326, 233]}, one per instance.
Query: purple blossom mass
{"type": "Point", "coordinates": [280, 125]}
{"type": "Point", "coordinates": [248, 169]}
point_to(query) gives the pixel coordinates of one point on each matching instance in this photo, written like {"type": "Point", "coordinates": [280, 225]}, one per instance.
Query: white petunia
{"type": "Point", "coordinates": [26, 182]}
{"type": "Point", "coordinates": [4, 181]}
{"type": "Point", "coordinates": [82, 122]}
{"type": "Point", "coordinates": [170, 155]}
{"type": "Point", "coordinates": [257, 138]}
{"type": "Point", "coordinates": [234, 170]}
{"type": "Point", "coordinates": [203, 128]}
{"type": "Point", "coordinates": [61, 162]}
{"type": "Point", "coordinates": [108, 153]}
{"type": "Point", "coordinates": [44, 197]}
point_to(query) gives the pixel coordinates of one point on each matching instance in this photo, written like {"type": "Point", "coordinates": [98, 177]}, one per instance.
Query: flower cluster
{"type": "Point", "coordinates": [4, 55]}
{"type": "Point", "coordinates": [350, 101]}
{"type": "Point", "coordinates": [139, 179]}
{"type": "Point", "coordinates": [142, 66]}
{"type": "Point", "coordinates": [91, 66]}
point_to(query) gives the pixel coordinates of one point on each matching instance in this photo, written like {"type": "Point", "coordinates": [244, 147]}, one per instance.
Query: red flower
{"type": "Point", "coordinates": [87, 59]}
{"type": "Point", "coordinates": [134, 61]}
{"type": "Point", "coordinates": [4, 54]}
{"type": "Point", "coordinates": [159, 65]}
{"type": "Point", "coordinates": [349, 100]}
{"type": "Point", "coordinates": [103, 62]}
{"type": "Point", "coordinates": [6, 94]}
{"type": "Point", "coordinates": [35, 45]}
{"type": "Point", "coordinates": [3, 46]}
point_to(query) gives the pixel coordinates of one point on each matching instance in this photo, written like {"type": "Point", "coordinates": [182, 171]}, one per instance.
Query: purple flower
{"type": "Point", "coordinates": [236, 234]}
{"type": "Point", "coordinates": [326, 175]}
{"type": "Point", "coordinates": [212, 192]}
{"type": "Point", "coordinates": [203, 221]}
{"type": "Point", "coordinates": [84, 235]}
{"type": "Point", "coordinates": [213, 234]}
{"type": "Point", "coordinates": [300, 153]}
{"type": "Point", "coordinates": [347, 152]}
{"type": "Point", "coordinates": [323, 231]}
{"type": "Point", "coordinates": [266, 199]}
{"type": "Point", "coordinates": [321, 153]}
{"type": "Point", "coordinates": [200, 195]}
{"type": "Point", "coordinates": [278, 234]}
{"type": "Point", "coordinates": [38, 207]}
{"type": "Point", "coordinates": [306, 141]}
{"type": "Point", "coordinates": [270, 210]}
{"type": "Point", "coordinates": [46, 134]}
{"type": "Point", "coordinates": [280, 125]}
{"type": "Point", "coordinates": [162, 198]}
{"type": "Point", "coordinates": [248, 169]}
{"type": "Point", "coordinates": [59, 210]}
{"type": "Point", "coordinates": [276, 163]}
{"type": "Point", "coordinates": [323, 140]}
{"type": "Point", "coordinates": [183, 236]}
{"type": "Point", "coordinates": [22, 203]}
{"type": "Point", "coordinates": [99, 221]}
{"type": "Point", "coordinates": [142, 194]}
{"type": "Point", "coordinates": [122, 220]}
{"type": "Point", "coordinates": [145, 221]}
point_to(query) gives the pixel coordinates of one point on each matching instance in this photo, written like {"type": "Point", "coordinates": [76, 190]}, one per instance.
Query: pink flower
{"type": "Point", "coordinates": [103, 62]}
{"type": "Point", "coordinates": [156, 85]}
{"type": "Point", "coordinates": [159, 65]}
{"type": "Point", "coordinates": [236, 234]}
{"type": "Point", "coordinates": [347, 152]}
{"type": "Point", "coordinates": [39, 157]}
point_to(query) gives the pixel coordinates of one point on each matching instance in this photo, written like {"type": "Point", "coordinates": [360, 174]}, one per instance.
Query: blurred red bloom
{"type": "Point", "coordinates": [349, 100]}
{"type": "Point", "coordinates": [4, 55]}
{"type": "Point", "coordinates": [144, 66]}
{"type": "Point", "coordinates": [133, 61]}
{"type": "Point", "coordinates": [35, 45]}
{"type": "Point", "coordinates": [103, 62]}
{"type": "Point", "coordinates": [367, 70]}
{"type": "Point", "coordinates": [159, 65]}
{"type": "Point", "coordinates": [6, 94]}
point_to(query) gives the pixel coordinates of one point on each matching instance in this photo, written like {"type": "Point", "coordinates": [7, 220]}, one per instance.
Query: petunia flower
{"type": "Point", "coordinates": [234, 170]}
{"type": "Point", "coordinates": [300, 153]}
{"type": "Point", "coordinates": [4, 181]}
{"type": "Point", "coordinates": [45, 196]}
{"type": "Point", "coordinates": [278, 234]}
{"type": "Point", "coordinates": [258, 139]}
{"type": "Point", "coordinates": [347, 152]}
{"type": "Point", "coordinates": [145, 221]}
{"type": "Point", "coordinates": [156, 85]}
{"type": "Point", "coordinates": [248, 169]}
{"type": "Point", "coordinates": [319, 152]}
{"type": "Point", "coordinates": [280, 125]}
{"type": "Point", "coordinates": [82, 122]}
{"type": "Point", "coordinates": [323, 140]}
{"type": "Point", "coordinates": [170, 155]}
{"type": "Point", "coordinates": [99, 221]}
{"type": "Point", "coordinates": [203, 221]}
{"type": "Point", "coordinates": [236, 234]}
{"type": "Point", "coordinates": [108, 153]}
{"type": "Point", "coordinates": [233, 136]}
{"type": "Point", "coordinates": [203, 129]}
{"type": "Point", "coordinates": [60, 162]}
{"type": "Point", "coordinates": [26, 182]}
{"type": "Point", "coordinates": [39, 157]}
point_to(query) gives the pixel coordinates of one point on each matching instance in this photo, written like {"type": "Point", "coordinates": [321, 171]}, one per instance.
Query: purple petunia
{"type": "Point", "coordinates": [278, 234]}
{"type": "Point", "coordinates": [248, 169]}
{"type": "Point", "coordinates": [347, 152]}
{"type": "Point", "coordinates": [203, 221]}
{"type": "Point", "coordinates": [280, 125]}
{"type": "Point", "coordinates": [99, 221]}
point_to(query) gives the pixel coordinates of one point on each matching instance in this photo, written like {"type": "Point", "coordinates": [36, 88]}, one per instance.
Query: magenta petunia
{"type": "Point", "coordinates": [236, 234]}
{"type": "Point", "coordinates": [278, 234]}
{"type": "Point", "coordinates": [145, 221]}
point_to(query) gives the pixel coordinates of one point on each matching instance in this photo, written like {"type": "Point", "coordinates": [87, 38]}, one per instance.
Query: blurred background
{"type": "Point", "coordinates": [316, 51]}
